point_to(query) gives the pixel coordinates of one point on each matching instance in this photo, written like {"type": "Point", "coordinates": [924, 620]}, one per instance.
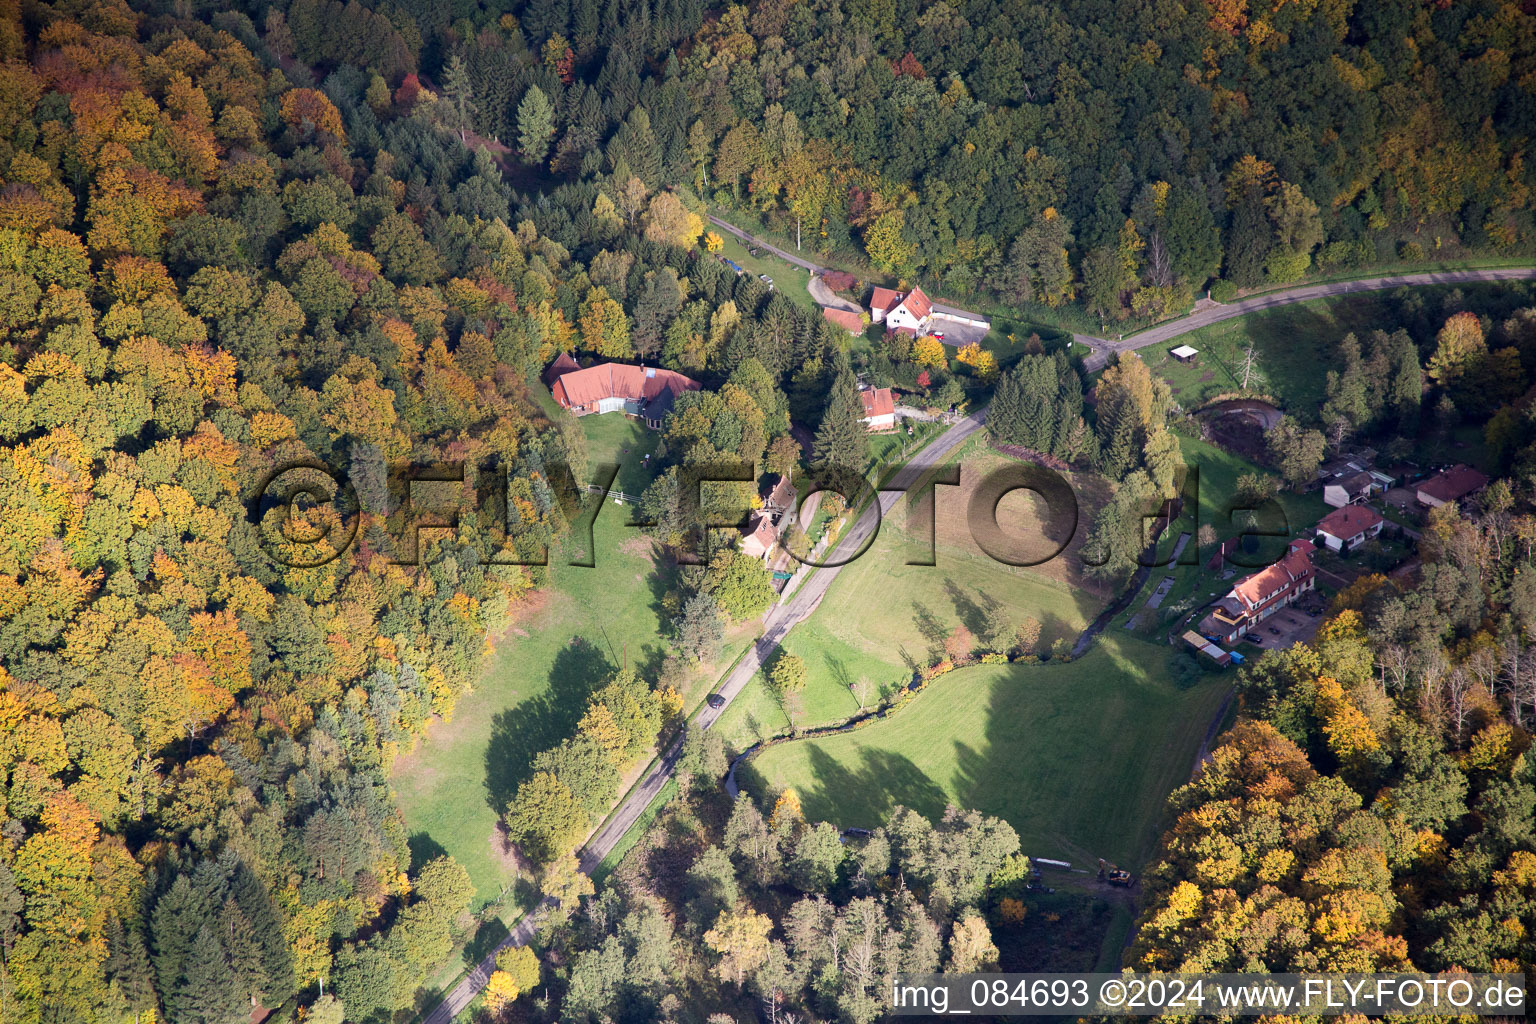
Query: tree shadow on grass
{"type": "Point", "coordinates": [972, 612]}
{"type": "Point", "coordinates": [520, 732]}
{"type": "Point", "coordinates": [877, 784]}
{"type": "Point", "coordinates": [929, 628]}
{"type": "Point", "coordinates": [423, 849]}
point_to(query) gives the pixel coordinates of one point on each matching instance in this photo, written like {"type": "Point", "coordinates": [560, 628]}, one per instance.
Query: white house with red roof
{"type": "Point", "coordinates": [1257, 597]}
{"type": "Point", "coordinates": [879, 408]}
{"type": "Point", "coordinates": [911, 312]}
{"type": "Point", "coordinates": [1349, 526]}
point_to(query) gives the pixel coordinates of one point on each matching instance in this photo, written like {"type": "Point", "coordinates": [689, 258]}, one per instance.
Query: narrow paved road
{"type": "Point", "coordinates": [778, 622]}
{"type": "Point", "coordinates": [758, 243]}
{"type": "Point", "coordinates": [1104, 349]}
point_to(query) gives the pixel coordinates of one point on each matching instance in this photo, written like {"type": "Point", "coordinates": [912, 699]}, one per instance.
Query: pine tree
{"type": "Point", "coordinates": [459, 90]}
{"type": "Point", "coordinates": [209, 994]}
{"type": "Point", "coordinates": [535, 125]}
{"type": "Point", "coordinates": [841, 438]}
{"type": "Point", "coordinates": [243, 950]}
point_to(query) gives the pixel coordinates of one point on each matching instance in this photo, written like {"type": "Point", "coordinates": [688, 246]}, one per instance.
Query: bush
{"type": "Point", "coordinates": [1223, 291]}
{"type": "Point", "coordinates": [1410, 252]}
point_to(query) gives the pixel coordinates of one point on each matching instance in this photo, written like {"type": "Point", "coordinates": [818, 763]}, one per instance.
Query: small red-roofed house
{"type": "Point", "coordinates": [1450, 485]}
{"type": "Point", "coordinates": [912, 312]}
{"type": "Point", "coordinates": [879, 408]}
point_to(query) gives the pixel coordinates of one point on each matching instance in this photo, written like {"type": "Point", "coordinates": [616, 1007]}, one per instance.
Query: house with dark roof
{"type": "Point", "coordinates": [911, 312]}
{"type": "Point", "coordinates": [644, 392]}
{"type": "Point", "coordinates": [1349, 526]}
{"type": "Point", "coordinates": [1256, 597]}
{"type": "Point", "coordinates": [1450, 485]}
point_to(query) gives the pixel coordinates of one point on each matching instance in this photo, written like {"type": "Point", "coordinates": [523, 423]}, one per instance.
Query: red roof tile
{"type": "Point", "coordinates": [618, 380]}
{"type": "Point", "coordinates": [884, 298]}
{"type": "Point", "coordinates": [1345, 522]}
{"type": "Point", "coordinates": [846, 319]}
{"type": "Point", "coordinates": [1297, 564]}
{"type": "Point", "coordinates": [918, 304]}
{"type": "Point", "coordinates": [1454, 483]}
{"type": "Point", "coordinates": [878, 402]}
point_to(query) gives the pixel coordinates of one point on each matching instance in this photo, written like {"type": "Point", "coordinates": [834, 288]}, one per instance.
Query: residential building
{"type": "Point", "coordinates": [759, 536]}
{"type": "Point", "coordinates": [1349, 526]}
{"type": "Point", "coordinates": [644, 392]}
{"type": "Point", "coordinates": [1349, 490]}
{"type": "Point", "coordinates": [781, 497]}
{"type": "Point", "coordinates": [879, 408]}
{"type": "Point", "coordinates": [1450, 485]}
{"type": "Point", "coordinates": [1255, 598]}
{"type": "Point", "coordinates": [912, 312]}
{"type": "Point", "coordinates": [1352, 479]}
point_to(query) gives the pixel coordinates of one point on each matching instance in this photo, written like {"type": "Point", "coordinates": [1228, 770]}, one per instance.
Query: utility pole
{"type": "Point", "coordinates": [797, 234]}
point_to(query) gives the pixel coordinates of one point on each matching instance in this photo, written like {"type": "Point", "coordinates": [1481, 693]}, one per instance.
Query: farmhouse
{"type": "Point", "coordinates": [1450, 485]}
{"type": "Point", "coordinates": [1349, 526]}
{"type": "Point", "coordinates": [644, 392]}
{"type": "Point", "coordinates": [879, 408]}
{"type": "Point", "coordinates": [912, 312]}
{"type": "Point", "coordinates": [1257, 597]}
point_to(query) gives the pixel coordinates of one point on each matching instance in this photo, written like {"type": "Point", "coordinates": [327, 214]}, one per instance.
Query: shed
{"type": "Point", "coordinates": [1184, 353]}
{"type": "Point", "coordinates": [1207, 648]}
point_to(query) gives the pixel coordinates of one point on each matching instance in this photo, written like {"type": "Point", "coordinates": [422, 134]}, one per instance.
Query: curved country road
{"type": "Point", "coordinates": [779, 620]}
{"type": "Point", "coordinates": [1103, 349]}
{"type": "Point", "coordinates": [782, 617]}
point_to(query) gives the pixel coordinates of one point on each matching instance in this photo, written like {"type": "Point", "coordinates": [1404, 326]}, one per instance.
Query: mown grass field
{"type": "Point", "coordinates": [883, 617]}
{"type": "Point", "coordinates": [1295, 344]}
{"type": "Point", "coordinates": [568, 640]}
{"type": "Point", "coordinates": [1078, 757]}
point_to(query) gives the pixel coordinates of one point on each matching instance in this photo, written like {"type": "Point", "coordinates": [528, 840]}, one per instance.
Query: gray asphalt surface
{"type": "Point", "coordinates": [1104, 349]}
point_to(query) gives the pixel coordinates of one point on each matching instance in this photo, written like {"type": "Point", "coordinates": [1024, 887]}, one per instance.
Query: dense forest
{"type": "Point", "coordinates": [240, 244]}
{"type": "Point", "coordinates": [1376, 807]}
{"type": "Point", "coordinates": [1120, 156]}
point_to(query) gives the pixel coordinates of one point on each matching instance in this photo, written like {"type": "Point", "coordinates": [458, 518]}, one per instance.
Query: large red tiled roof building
{"type": "Point", "coordinates": [645, 392]}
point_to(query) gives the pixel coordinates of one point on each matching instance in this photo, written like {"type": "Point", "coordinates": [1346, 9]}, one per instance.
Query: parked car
{"type": "Point", "coordinates": [939, 335]}
{"type": "Point", "coordinates": [1273, 630]}
{"type": "Point", "coordinates": [715, 701]}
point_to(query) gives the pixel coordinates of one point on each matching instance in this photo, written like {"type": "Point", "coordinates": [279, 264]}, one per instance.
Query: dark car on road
{"type": "Point", "coordinates": [715, 701]}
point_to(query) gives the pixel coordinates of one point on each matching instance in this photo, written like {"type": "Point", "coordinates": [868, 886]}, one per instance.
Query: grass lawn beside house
{"type": "Point", "coordinates": [1078, 757]}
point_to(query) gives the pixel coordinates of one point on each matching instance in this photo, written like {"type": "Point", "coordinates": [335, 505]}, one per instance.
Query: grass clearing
{"type": "Point", "coordinates": [570, 638]}
{"type": "Point", "coordinates": [883, 617]}
{"type": "Point", "coordinates": [1078, 757]}
{"type": "Point", "coordinates": [1293, 344]}
{"type": "Point", "coordinates": [786, 277]}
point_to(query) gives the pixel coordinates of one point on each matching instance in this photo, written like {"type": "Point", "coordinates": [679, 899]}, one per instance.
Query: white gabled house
{"type": "Point", "coordinates": [910, 312]}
